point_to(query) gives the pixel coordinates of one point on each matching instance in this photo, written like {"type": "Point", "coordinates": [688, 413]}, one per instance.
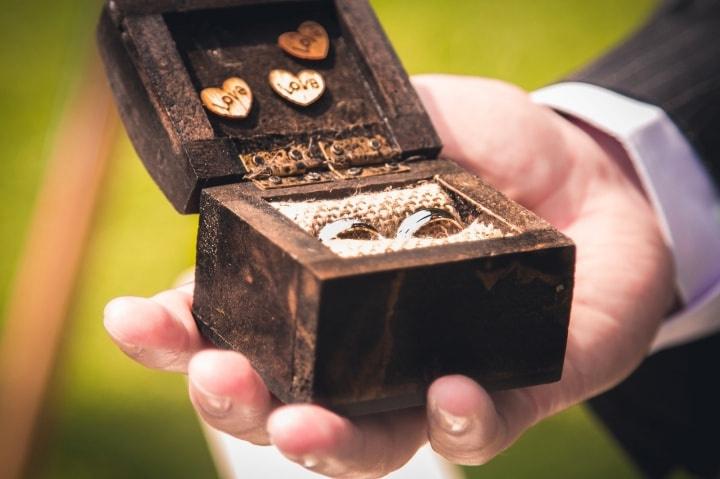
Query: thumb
{"type": "Point", "coordinates": [467, 425]}
{"type": "Point", "coordinates": [494, 130]}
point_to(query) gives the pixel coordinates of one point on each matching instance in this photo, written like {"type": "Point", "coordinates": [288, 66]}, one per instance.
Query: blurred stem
{"type": "Point", "coordinates": [43, 286]}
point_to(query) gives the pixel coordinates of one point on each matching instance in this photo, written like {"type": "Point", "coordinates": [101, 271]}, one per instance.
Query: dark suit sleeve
{"type": "Point", "coordinates": [673, 62]}
{"type": "Point", "coordinates": [666, 413]}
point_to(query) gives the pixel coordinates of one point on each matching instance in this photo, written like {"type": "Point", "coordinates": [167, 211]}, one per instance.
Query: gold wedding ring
{"type": "Point", "coordinates": [348, 228]}
{"type": "Point", "coordinates": [429, 223]}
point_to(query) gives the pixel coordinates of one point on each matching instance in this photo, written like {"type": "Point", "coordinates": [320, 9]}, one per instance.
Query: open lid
{"type": "Point", "coordinates": [161, 54]}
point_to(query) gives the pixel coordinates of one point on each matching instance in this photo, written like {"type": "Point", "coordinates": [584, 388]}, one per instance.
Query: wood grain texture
{"type": "Point", "coordinates": [165, 77]}
{"type": "Point", "coordinates": [411, 126]}
{"type": "Point", "coordinates": [363, 334]}
{"type": "Point", "coordinates": [162, 6]}
{"type": "Point", "coordinates": [180, 164]}
{"type": "Point", "coordinates": [370, 334]}
{"type": "Point", "coordinates": [159, 64]}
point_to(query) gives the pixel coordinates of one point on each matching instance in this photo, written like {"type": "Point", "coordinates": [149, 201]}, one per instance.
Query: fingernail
{"type": "Point", "coordinates": [451, 423]}
{"type": "Point", "coordinates": [309, 461]}
{"type": "Point", "coordinates": [112, 317]}
{"type": "Point", "coordinates": [132, 350]}
{"type": "Point", "coordinates": [211, 404]}
{"type": "Point", "coordinates": [156, 358]}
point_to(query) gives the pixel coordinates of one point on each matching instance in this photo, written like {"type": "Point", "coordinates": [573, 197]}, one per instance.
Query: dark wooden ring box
{"type": "Point", "coordinates": [359, 334]}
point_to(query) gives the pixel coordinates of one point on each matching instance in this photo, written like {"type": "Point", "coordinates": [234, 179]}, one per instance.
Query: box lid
{"type": "Point", "coordinates": [161, 54]}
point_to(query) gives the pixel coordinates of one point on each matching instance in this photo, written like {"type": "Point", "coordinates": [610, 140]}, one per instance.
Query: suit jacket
{"type": "Point", "coordinates": [667, 413]}
{"type": "Point", "coordinates": [673, 62]}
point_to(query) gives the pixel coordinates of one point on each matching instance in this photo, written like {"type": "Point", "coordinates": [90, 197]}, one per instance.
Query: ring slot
{"type": "Point", "coordinates": [348, 228]}
{"type": "Point", "coordinates": [429, 223]}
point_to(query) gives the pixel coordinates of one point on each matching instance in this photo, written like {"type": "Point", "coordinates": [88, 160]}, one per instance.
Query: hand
{"type": "Point", "coordinates": [569, 174]}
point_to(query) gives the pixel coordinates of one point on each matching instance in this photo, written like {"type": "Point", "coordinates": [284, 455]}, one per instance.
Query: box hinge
{"type": "Point", "coordinates": [323, 161]}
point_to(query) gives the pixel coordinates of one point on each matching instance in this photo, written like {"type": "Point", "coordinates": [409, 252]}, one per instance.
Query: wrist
{"type": "Point", "coordinates": [607, 170]}
{"type": "Point", "coordinates": [617, 153]}
{"type": "Point", "coordinates": [673, 178]}
{"type": "Point", "coordinates": [611, 151]}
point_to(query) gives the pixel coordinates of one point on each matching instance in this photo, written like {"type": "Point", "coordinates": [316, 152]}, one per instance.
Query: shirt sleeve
{"type": "Point", "coordinates": [679, 188]}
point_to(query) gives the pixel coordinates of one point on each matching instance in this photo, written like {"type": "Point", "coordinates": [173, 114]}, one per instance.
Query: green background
{"type": "Point", "coordinates": [107, 417]}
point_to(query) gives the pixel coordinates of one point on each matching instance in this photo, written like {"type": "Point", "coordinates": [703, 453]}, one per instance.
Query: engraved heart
{"type": "Point", "coordinates": [309, 42]}
{"type": "Point", "coordinates": [303, 89]}
{"type": "Point", "coordinates": [233, 100]}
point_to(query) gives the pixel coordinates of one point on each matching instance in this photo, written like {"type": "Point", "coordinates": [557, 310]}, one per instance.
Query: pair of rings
{"type": "Point", "coordinates": [424, 223]}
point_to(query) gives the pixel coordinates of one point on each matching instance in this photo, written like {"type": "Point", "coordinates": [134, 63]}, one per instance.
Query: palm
{"type": "Point", "coordinates": [567, 174]}
{"type": "Point", "coordinates": [547, 163]}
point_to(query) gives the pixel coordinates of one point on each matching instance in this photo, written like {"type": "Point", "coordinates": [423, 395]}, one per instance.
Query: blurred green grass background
{"type": "Point", "coordinates": [108, 418]}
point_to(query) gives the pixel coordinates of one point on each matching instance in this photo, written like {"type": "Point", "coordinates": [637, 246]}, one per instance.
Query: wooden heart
{"type": "Point", "coordinates": [303, 89]}
{"type": "Point", "coordinates": [233, 100]}
{"type": "Point", "coordinates": [309, 42]}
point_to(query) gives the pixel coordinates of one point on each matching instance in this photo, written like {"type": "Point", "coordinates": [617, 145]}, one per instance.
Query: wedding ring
{"type": "Point", "coordinates": [429, 223]}
{"type": "Point", "coordinates": [348, 228]}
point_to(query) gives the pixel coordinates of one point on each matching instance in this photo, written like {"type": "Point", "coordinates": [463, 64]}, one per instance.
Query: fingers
{"type": "Point", "coordinates": [328, 444]}
{"type": "Point", "coordinates": [229, 395]}
{"type": "Point", "coordinates": [468, 426]}
{"type": "Point", "coordinates": [159, 333]}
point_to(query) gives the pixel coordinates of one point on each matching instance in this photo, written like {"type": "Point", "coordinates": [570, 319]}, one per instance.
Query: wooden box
{"type": "Point", "coordinates": [358, 330]}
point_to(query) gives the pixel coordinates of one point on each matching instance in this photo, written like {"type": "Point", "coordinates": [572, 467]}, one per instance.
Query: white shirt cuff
{"type": "Point", "coordinates": [678, 186]}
